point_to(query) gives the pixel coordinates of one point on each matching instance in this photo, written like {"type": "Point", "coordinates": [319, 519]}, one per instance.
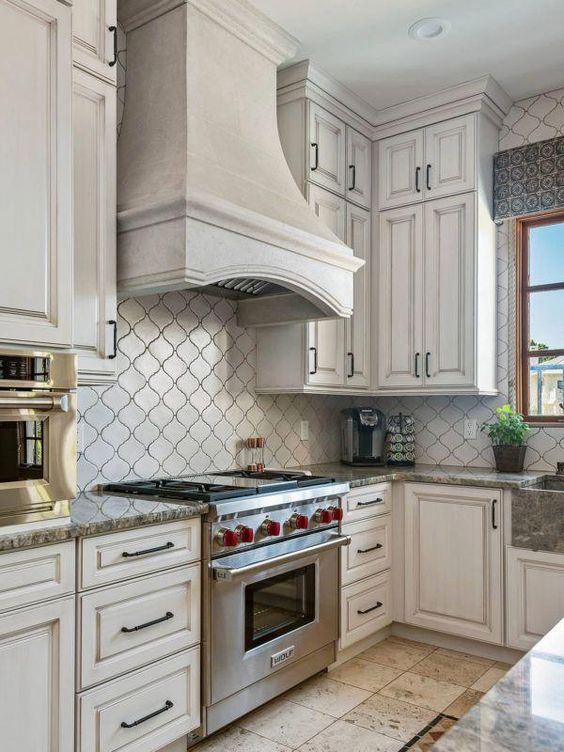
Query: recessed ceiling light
{"type": "Point", "coordinates": [429, 28]}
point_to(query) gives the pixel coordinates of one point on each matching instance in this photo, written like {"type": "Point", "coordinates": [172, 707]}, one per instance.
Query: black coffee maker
{"type": "Point", "coordinates": [363, 434]}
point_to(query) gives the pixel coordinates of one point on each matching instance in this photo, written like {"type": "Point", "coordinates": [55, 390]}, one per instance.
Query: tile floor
{"type": "Point", "coordinates": [398, 695]}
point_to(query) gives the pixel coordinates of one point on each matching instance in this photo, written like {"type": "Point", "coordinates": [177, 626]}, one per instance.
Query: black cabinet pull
{"type": "Point", "coordinates": [428, 177]}
{"type": "Point", "coordinates": [368, 610]}
{"type": "Point", "coordinates": [351, 372]}
{"type": "Point", "coordinates": [353, 168]}
{"type": "Point", "coordinates": [127, 555]}
{"type": "Point", "coordinates": [314, 351]}
{"type": "Point", "coordinates": [113, 30]}
{"type": "Point", "coordinates": [166, 617]}
{"type": "Point", "coordinates": [316, 162]}
{"type": "Point", "coordinates": [113, 323]}
{"type": "Point", "coordinates": [167, 706]}
{"type": "Point", "coordinates": [427, 359]}
{"type": "Point", "coordinates": [418, 179]}
{"type": "Point", "coordinates": [368, 550]}
{"type": "Point", "coordinates": [494, 523]}
{"type": "Point", "coordinates": [417, 356]}
{"type": "Point", "coordinates": [369, 503]}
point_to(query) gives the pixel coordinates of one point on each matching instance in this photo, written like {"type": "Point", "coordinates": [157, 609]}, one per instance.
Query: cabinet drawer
{"type": "Point", "coordinates": [126, 626]}
{"type": "Point", "coordinates": [370, 550]}
{"type": "Point", "coordinates": [36, 574]}
{"type": "Point", "coordinates": [366, 607]}
{"type": "Point", "coordinates": [367, 501]}
{"type": "Point", "coordinates": [121, 555]}
{"type": "Point", "coordinates": [173, 683]}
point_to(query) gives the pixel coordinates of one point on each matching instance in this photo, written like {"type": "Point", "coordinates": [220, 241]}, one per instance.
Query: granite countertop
{"type": "Point", "coordinates": [523, 712]}
{"type": "Point", "coordinates": [537, 520]}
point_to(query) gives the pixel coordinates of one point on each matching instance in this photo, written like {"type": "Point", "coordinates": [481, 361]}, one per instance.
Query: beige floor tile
{"type": "Point", "coordinates": [503, 666]}
{"type": "Point", "coordinates": [423, 691]}
{"type": "Point", "coordinates": [394, 718]}
{"type": "Point", "coordinates": [487, 680]}
{"type": "Point", "coordinates": [449, 669]}
{"type": "Point", "coordinates": [463, 703]}
{"type": "Point", "coordinates": [346, 737]}
{"type": "Point", "coordinates": [466, 656]}
{"type": "Point", "coordinates": [327, 696]}
{"type": "Point", "coordinates": [402, 655]}
{"type": "Point", "coordinates": [237, 739]}
{"type": "Point", "coordinates": [365, 674]}
{"type": "Point", "coordinates": [286, 723]}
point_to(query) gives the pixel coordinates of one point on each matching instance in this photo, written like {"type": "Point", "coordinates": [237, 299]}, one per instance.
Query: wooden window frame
{"type": "Point", "coordinates": [523, 289]}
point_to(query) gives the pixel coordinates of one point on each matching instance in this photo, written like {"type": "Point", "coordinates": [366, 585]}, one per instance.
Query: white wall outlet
{"type": "Point", "coordinates": [304, 430]}
{"type": "Point", "coordinates": [470, 428]}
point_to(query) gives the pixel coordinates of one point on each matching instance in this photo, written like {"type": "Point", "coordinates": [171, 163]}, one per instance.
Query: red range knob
{"type": "Point", "coordinates": [270, 527]}
{"type": "Point", "coordinates": [337, 513]}
{"type": "Point", "coordinates": [246, 534]}
{"type": "Point", "coordinates": [227, 538]}
{"type": "Point", "coordinates": [324, 516]}
{"type": "Point", "coordinates": [299, 521]}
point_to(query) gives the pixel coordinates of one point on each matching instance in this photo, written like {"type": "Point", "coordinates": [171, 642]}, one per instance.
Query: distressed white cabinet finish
{"type": "Point", "coordinates": [35, 178]}
{"type": "Point", "coordinates": [93, 24]}
{"type": "Point", "coordinates": [94, 143]}
{"type": "Point", "coordinates": [400, 165]}
{"type": "Point", "coordinates": [366, 607]}
{"type": "Point", "coordinates": [359, 166]}
{"type": "Point", "coordinates": [330, 209]}
{"type": "Point", "coordinates": [453, 569]}
{"type": "Point", "coordinates": [327, 149]}
{"type": "Point", "coordinates": [534, 595]}
{"type": "Point", "coordinates": [357, 328]}
{"type": "Point", "coordinates": [37, 678]}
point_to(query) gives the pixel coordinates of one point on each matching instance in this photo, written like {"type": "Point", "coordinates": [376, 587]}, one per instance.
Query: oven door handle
{"type": "Point", "coordinates": [230, 574]}
{"type": "Point", "coordinates": [40, 403]}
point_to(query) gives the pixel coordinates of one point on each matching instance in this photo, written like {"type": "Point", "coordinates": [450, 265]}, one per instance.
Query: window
{"type": "Point", "coordinates": [540, 366]}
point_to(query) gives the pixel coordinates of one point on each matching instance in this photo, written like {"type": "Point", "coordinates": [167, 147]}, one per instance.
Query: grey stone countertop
{"type": "Point", "coordinates": [449, 474]}
{"type": "Point", "coordinates": [537, 520]}
{"type": "Point", "coordinates": [523, 712]}
{"type": "Point", "coordinates": [94, 513]}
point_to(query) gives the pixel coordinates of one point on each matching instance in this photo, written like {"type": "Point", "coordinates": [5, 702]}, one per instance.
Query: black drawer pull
{"type": "Point", "coordinates": [417, 179]}
{"type": "Point", "coordinates": [368, 550]}
{"type": "Point", "coordinates": [114, 31]}
{"type": "Point", "coordinates": [166, 617]}
{"type": "Point", "coordinates": [352, 168]}
{"type": "Point", "coordinates": [167, 706]}
{"type": "Point", "coordinates": [316, 150]}
{"type": "Point", "coordinates": [368, 610]}
{"type": "Point", "coordinates": [314, 351]}
{"type": "Point", "coordinates": [494, 523]}
{"type": "Point", "coordinates": [369, 503]}
{"type": "Point", "coordinates": [428, 176]}
{"type": "Point", "coordinates": [113, 323]}
{"type": "Point", "coordinates": [351, 372]}
{"type": "Point", "coordinates": [417, 355]}
{"type": "Point", "coordinates": [127, 555]}
{"type": "Point", "coordinates": [427, 359]}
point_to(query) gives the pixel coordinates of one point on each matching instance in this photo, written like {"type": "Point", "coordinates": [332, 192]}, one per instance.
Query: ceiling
{"type": "Point", "coordinates": [364, 44]}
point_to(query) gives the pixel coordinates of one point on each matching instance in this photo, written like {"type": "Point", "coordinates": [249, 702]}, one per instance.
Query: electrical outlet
{"type": "Point", "coordinates": [470, 428]}
{"type": "Point", "coordinates": [304, 430]}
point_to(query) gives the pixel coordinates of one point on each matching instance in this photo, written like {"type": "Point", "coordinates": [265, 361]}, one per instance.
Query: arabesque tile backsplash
{"type": "Point", "coordinates": [185, 400]}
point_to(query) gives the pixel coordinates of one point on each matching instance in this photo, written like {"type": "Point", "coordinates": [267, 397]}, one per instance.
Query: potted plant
{"type": "Point", "coordinates": [508, 435]}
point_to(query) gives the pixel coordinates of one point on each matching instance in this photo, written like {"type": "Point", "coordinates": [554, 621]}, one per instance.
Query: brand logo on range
{"type": "Point", "coordinates": [283, 655]}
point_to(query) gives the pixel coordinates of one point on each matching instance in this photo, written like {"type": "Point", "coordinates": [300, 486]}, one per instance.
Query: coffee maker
{"type": "Point", "coordinates": [363, 433]}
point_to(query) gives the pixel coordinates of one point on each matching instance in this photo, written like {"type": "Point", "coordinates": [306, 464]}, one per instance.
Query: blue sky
{"type": "Point", "coordinates": [546, 265]}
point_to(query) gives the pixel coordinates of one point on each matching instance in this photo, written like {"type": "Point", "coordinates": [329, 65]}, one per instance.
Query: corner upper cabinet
{"type": "Point", "coordinates": [359, 168]}
{"type": "Point", "coordinates": [327, 148]}
{"type": "Point", "coordinates": [95, 37]}
{"type": "Point", "coordinates": [36, 173]}
{"type": "Point", "coordinates": [94, 141]}
{"type": "Point", "coordinates": [400, 161]}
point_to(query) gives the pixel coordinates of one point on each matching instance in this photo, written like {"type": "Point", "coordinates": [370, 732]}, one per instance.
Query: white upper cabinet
{"type": "Point", "coordinates": [359, 161]}
{"type": "Point", "coordinates": [357, 328]}
{"type": "Point", "coordinates": [94, 141]}
{"type": "Point", "coordinates": [94, 27]}
{"type": "Point", "coordinates": [327, 149]}
{"type": "Point", "coordinates": [329, 208]}
{"type": "Point", "coordinates": [36, 173]}
{"type": "Point", "coordinates": [400, 160]}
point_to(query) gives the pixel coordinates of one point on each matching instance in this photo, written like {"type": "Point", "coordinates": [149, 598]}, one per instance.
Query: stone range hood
{"type": "Point", "coordinates": [204, 192]}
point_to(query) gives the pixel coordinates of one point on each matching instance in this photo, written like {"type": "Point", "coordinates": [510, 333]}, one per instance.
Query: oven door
{"type": "Point", "coordinates": [271, 607]}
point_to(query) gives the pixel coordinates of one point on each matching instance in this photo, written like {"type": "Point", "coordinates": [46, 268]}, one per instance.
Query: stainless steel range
{"type": "Point", "coordinates": [271, 581]}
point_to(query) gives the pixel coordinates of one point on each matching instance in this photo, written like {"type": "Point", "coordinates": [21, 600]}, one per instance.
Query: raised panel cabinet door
{"type": "Point", "coordinates": [450, 157]}
{"type": "Point", "coordinates": [37, 678]}
{"type": "Point", "coordinates": [36, 172]}
{"type": "Point", "coordinates": [357, 328]}
{"type": "Point", "coordinates": [400, 285]}
{"type": "Point", "coordinates": [326, 149]}
{"type": "Point", "coordinates": [449, 295]}
{"type": "Point", "coordinates": [359, 162]}
{"type": "Point", "coordinates": [94, 31]}
{"type": "Point", "coordinates": [400, 170]}
{"type": "Point", "coordinates": [453, 560]}
{"type": "Point", "coordinates": [94, 142]}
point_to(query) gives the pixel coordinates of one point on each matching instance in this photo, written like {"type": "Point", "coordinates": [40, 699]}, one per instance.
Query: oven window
{"type": "Point", "coordinates": [278, 605]}
{"type": "Point", "coordinates": [21, 450]}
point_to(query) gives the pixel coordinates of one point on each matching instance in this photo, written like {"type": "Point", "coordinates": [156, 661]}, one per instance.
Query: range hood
{"type": "Point", "coordinates": [205, 197]}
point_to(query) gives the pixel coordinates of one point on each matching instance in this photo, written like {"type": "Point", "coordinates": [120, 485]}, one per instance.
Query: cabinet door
{"type": "Point", "coordinates": [93, 24]}
{"type": "Point", "coordinates": [94, 140]}
{"type": "Point", "coordinates": [400, 163]}
{"type": "Point", "coordinates": [36, 678]}
{"type": "Point", "coordinates": [449, 291]}
{"type": "Point", "coordinates": [357, 328]}
{"type": "Point", "coordinates": [326, 149]}
{"type": "Point", "coordinates": [450, 156]}
{"type": "Point", "coordinates": [359, 162]}
{"type": "Point", "coordinates": [453, 560]}
{"type": "Point", "coordinates": [36, 177]}
{"type": "Point", "coordinates": [400, 341]}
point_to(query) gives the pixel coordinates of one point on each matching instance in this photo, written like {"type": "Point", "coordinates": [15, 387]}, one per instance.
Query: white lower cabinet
{"type": "Point", "coordinates": [453, 571]}
{"type": "Point", "coordinates": [534, 595]}
{"type": "Point", "coordinates": [366, 607]}
{"type": "Point", "coordinates": [36, 678]}
{"type": "Point", "coordinates": [370, 550]}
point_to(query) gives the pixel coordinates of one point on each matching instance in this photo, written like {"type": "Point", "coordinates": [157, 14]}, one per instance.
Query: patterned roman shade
{"type": "Point", "coordinates": [529, 179]}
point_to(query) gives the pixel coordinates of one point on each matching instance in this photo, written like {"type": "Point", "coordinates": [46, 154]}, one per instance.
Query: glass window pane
{"type": "Point", "coordinates": [546, 254]}
{"type": "Point", "coordinates": [546, 320]}
{"type": "Point", "coordinates": [21, 450]}
{"type": "Point", "coordinates": [546, 385]}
